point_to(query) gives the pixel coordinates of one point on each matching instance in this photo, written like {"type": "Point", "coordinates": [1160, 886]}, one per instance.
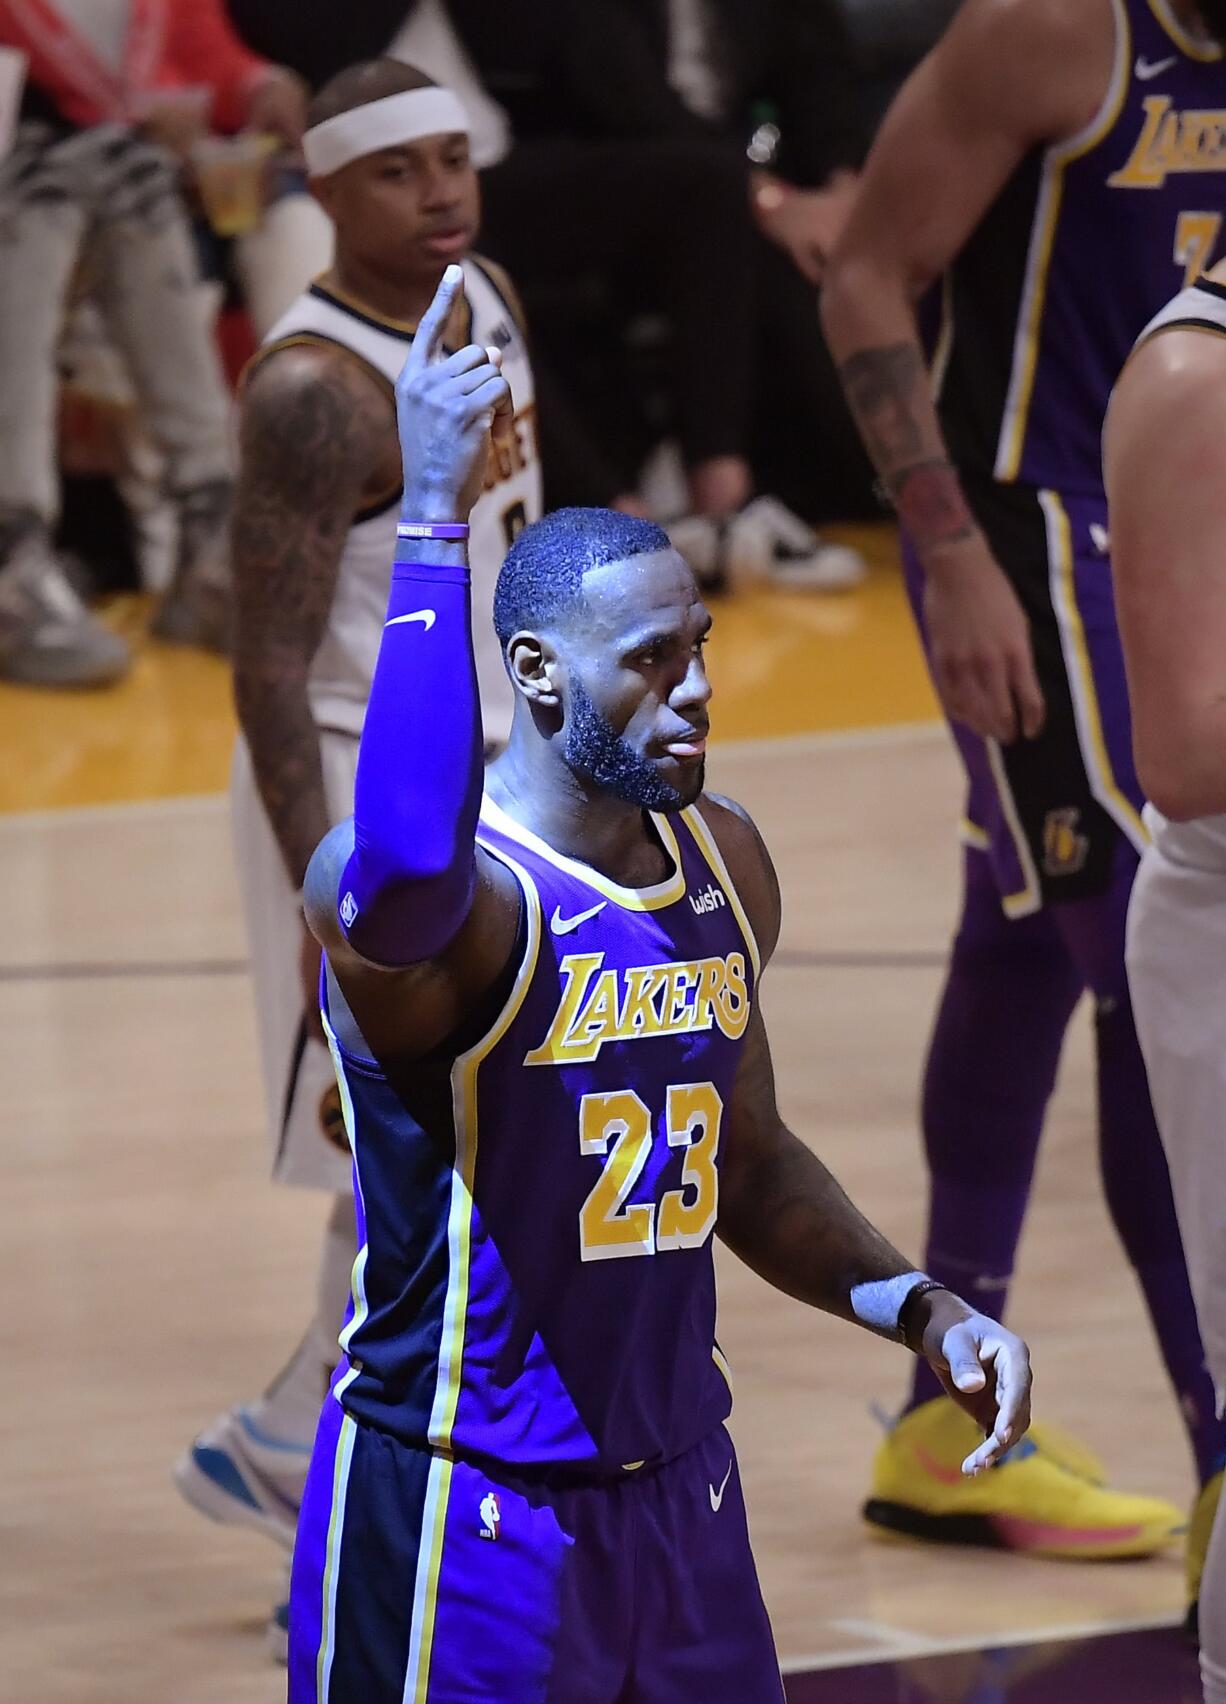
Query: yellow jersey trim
{"type": "Point", "coordinates": [357, 1276]}
{"type": "Point", "coordinates": [1029, 898]}
{"type": "Point", "coordinates": [460, 1214]}
{"type": "Point", "coordinates": [970, 834]}
{"type": "Point", "coordinates": [332, 1550]}
{"type": "Point", "coordinates": [1042, 241]}
{"type": "Point", "coordinates": [1077, 664]}
{"type": "Point", "coordinates": [945, 338]}
{"type": "Point", "coordinates": [425, 1589]}
{"type": "Point", "coordinates": [1195, 47]}
{"type": "Point", "coordinates": [706, 843]}
{"type": "Point", "coordinates": [667, 892]}
{"type": "Point", "coordinates": [722, 1367]}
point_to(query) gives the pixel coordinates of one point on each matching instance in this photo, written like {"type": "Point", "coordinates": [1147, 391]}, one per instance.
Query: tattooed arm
{"type": "Point", "coordinates": [1009, 75]}
{"type": "Point", "coordinates": [315, 431]}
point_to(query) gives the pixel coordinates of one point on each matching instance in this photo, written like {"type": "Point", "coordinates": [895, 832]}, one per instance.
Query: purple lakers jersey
{"type": "Point", "coordinates": [535, 1283]}
{"type": "Point", "coordinates": [1082, 247]}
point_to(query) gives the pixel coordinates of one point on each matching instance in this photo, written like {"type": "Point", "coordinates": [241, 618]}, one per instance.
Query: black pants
{"type": "Point", "coordinates": [597, 232]}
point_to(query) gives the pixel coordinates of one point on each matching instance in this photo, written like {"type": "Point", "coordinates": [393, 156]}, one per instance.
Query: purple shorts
{"type": "Point", "coordinates": [1051, 812]}
{"type": "Point", "coordinates": [419, 1580]}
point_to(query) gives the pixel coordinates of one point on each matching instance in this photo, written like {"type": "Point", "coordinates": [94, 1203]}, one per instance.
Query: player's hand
{"type": "Point", "coordinates": [979, 643]}
{"type": "Point", "coordinates": [985, 1369]}
{"type": "Point", "coordinates": [310, 959]}
{"type": "Point", "coordinates": [446, 412]}
{"type": "Point", "coordinates": [805, 223]}
{"type": "Point", "coordinates": [277, 106]}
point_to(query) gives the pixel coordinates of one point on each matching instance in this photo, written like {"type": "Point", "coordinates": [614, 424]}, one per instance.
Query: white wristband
{"type": "Point", "coordinates": [879, 1304]}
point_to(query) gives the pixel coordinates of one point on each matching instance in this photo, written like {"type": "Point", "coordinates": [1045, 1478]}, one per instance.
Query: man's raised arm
{"type": "Point", "coordinates": [408, 884]}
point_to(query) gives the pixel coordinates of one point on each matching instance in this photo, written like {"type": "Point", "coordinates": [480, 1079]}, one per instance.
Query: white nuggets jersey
{"type": "Point", "coordinates": [345, 662]}
{"type": "Point", "coordinates": [1200, 843]}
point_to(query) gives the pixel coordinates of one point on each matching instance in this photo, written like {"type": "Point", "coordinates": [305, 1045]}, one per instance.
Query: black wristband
{"type": "Point", "coordinates": [927, 1288]}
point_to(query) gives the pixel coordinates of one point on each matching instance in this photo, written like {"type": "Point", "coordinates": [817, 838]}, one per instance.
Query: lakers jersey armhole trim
{"type": "Point", "coordinates": [465, 1114]}
{"type": "Point", "coordinates": [1056, 161]}
{"type": "Point", "coordinates": [708, 846]}
{"type": "Point", "coordinates": [1183, 38]}
{"type": "Point", "coordinates": [667, 892]}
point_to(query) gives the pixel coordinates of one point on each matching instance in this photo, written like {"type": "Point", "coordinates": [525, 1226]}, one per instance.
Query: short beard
{"type": "Point", "coordinates": [595, 749]}
{"type": "Point", "coordinates": [1213, 16]}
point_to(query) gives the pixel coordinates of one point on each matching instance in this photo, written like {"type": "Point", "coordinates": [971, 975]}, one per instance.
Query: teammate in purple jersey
{"type": "Point", "coordinates": [1054, 171]}
{"type": "Point", "coordinates": [557, 1087]}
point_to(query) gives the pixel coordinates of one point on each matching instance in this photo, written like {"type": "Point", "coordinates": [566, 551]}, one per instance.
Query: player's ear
{"type": "Point", "coordinates": [535, 669]}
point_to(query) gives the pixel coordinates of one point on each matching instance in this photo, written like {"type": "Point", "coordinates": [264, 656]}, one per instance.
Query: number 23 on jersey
{"type": "Point", "coordinates": [619, 1125]}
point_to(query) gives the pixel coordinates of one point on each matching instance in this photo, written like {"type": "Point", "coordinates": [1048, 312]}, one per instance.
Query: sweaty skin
{"type": "Point", "coordinates": [1167, 494]}
{"type": "Point", "coordinates": [638, 652]}
{"type": "Point", "coordinates": [1008, 76]}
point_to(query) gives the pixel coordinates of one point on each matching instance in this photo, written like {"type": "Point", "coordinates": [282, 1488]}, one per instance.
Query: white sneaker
{"type": "Point", "coordinates": [794, 556]}
{"type": "Point", "coordinates": [723, 555]}
{"type": "Point", "coordinates": [47, 635]}
{"type": "Point", "coordinates": [237, 1474]}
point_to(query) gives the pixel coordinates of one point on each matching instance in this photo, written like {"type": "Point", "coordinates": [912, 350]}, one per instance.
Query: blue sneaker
{"type": "Point", "coordinates": [237, 1474]}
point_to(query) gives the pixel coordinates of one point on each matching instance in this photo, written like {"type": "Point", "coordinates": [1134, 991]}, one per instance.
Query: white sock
{"type": "Point", "coordinates": [1213, 1615]}
{"type": "Point", "coordinates": [289, 1408]}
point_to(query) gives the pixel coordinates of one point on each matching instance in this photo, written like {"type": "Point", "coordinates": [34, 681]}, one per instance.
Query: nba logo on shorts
{"type": "Point", "coordinates": [491, 1516]}
{"type": "Point", "coordinates": [349, 910]}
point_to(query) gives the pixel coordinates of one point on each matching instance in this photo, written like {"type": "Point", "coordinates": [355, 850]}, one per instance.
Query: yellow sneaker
{"type": "Point", "coordinates": [1030, 1502]}
{"type": "Point", "coordinates": [1200, 1530]}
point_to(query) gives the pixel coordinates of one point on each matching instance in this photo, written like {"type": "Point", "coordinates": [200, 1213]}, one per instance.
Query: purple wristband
{"type": "Point", "coordinates": [432, 529]}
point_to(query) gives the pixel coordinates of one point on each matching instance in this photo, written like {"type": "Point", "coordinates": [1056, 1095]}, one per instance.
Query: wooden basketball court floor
{"type": "Point", "coordinates": [151, 1276]}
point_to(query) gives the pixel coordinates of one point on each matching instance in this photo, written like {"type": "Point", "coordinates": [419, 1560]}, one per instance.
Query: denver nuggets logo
{"type": "Point", "coordinates": [1064, 850]}
{"type": "Point", "coordinates": [332, 1119]}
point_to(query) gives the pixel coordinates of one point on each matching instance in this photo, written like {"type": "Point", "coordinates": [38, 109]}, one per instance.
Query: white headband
{"type": "Point", "coordinates": [365, 129]}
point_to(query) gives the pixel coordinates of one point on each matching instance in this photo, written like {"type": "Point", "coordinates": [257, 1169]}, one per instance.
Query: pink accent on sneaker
{"type": "Point", "coordinates": [1018, 1534]}
{"type": "Point", "coordinates": [944, 1475]}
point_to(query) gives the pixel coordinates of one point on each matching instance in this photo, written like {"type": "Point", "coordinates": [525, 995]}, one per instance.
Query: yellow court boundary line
{"type": "Point", "coordinates": [1057, 159]}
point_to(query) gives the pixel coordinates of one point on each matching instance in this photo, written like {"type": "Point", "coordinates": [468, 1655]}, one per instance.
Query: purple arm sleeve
{"type": "Point", "coordinates": [409, 881]}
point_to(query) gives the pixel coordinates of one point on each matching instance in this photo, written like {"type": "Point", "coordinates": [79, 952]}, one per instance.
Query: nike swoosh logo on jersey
{"type": "Point", "coordinates": [563, 925]}
{"type": "Point", "coordinates": [717, 1497]}
{"type": "Point", "coordinates": [427, 618]}
{"type": "Point", "coordinates": [1147, 69]}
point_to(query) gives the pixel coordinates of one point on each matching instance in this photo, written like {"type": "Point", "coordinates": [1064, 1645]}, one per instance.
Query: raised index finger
{"type": "Point", "coordinates": [429, 334]}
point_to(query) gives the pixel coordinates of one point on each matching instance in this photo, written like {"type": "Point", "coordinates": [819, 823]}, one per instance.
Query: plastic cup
{"type": "Point", "coordinates": [230, 177]}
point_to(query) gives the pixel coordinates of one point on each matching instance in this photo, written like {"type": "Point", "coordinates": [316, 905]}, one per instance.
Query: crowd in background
{"type": "Point", "coordinates": [662, 178]}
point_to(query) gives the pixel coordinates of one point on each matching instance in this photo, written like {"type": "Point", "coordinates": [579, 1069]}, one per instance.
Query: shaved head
{"type": "Point", "coordinates": [358, 85]}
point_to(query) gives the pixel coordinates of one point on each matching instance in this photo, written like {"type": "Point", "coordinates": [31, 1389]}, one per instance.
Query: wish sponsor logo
{"type": "Point", "coordinates": [710, 899]}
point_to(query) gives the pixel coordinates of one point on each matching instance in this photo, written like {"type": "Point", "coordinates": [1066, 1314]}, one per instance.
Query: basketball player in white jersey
{"type": "Point", "coordinates": [1166, 485]}
{"type": "Point", "coordinates": [315, 528]}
